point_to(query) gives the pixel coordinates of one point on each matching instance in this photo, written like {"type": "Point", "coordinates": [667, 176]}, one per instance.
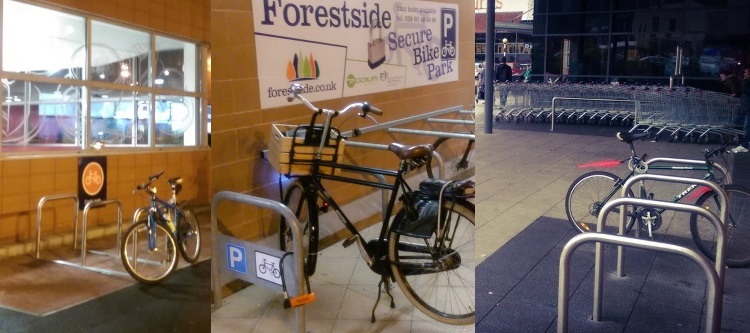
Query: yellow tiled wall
{"type": "Point", "coordinates": [240, 128]}
{"type": "Point", "coordinates": [185, 18]}
{"type": "Point", "coordinates": [23, 182]}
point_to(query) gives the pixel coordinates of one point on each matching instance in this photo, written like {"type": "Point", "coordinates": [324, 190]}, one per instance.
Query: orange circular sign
{"type": "Point", "coordinates": [92, 178]}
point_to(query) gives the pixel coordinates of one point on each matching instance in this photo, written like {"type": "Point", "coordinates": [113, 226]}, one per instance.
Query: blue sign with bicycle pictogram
{"type": "Point", "coordinates": [448, 27]}
{"type": "Point", "coordinates": [236, 258]}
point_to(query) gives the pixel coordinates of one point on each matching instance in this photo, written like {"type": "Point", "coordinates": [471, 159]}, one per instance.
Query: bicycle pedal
{"type": "Point", "coordinates": [299, 300]}
{"type": "Point", "coordinates": [349, 241]}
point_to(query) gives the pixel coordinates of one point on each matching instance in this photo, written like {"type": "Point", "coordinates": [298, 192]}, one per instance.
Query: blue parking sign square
{"type": "Point", "coordinates": [236, 258]}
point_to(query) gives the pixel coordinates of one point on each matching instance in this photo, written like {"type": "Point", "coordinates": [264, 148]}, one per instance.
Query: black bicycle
{"type": "Point", "coordinates": [428, 248]}
{"type": "Point", "coordinates": [589, 192]}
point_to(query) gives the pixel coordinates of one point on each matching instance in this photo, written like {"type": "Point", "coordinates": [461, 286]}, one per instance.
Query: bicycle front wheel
{"type": "Point", "coordinates": [456, 158]}
{"type": "Point", "coordinates": [588, 194]}
{"type": "Point", "coordinates": [189, 236]}
{"type": "Point", "coordinates": [738, 226]}
{"type": "Point", "coordinates": [437, 274]}
{"type": "Point", "coordinates": [148, 254]}
{"type": "Point", "coordinates": [297, 202]}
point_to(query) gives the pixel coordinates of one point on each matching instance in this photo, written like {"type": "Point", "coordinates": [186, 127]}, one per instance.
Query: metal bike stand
{"type": "Point", "coordinates": [39, 206]}
{"type": "Point", "coordinates": [236, 259]}
{"type": "Point", "coordinates": [713, 297]}
{"type": "Point", "coordinates": [554, 99]}
{"type": "Point", "coordinates": [99, 204]}
{"type": "Point", "coordinates": [432, 133]}
{"type": "Point", "coordinates": [721, 168]}
{"type": "Point", "coordinates": [435, 155]}
{"type": "Point", "coordinates": [406, 120]}
{"type": "Point", "coordinates": [719, 223]}
{"type": "Point", "coordinates": [450, 121]}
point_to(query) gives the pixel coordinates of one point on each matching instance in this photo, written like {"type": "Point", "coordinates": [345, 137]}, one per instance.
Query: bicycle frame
{"type": "Point", "coordinates": [314, 189]}
{"type": "Point", "coordinates": [155, 213]}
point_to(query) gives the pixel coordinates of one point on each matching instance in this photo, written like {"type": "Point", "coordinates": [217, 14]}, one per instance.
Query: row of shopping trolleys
{"type": "Point", "coordinates": [682, 114]}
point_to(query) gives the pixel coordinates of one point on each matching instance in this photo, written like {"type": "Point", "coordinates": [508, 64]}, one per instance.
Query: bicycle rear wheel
{"type": "Point", "coordinates": [738, 228]}
{"type": "Point", "coordinates": [586, 196]}
{"type": "Point", "coordinates": [148, 254]}
{"type": "Point", "coordinates": [297, 202]}
{"type": "Point", "coordinates": [456, 158]}
{"type": "Point", "coordinates": [437, 274]}
{"type": "Point", "coordinates": [189, 234]}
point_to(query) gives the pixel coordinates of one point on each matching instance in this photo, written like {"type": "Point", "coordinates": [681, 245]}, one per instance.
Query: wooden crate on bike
{"type": "Point", "coordinates": [292, 148]}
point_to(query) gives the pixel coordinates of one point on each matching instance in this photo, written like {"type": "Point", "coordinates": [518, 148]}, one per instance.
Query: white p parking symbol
{"type": "Point", "coordinates": [447, 23]}
{"type": "Point", "coordinates": [236, 259]}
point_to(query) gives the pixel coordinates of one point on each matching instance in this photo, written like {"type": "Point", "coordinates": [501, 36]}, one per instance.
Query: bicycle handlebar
{"type": "Point", "coordinates": [148, 183]}
{"type": "Point", "coordinates": [295, 92]}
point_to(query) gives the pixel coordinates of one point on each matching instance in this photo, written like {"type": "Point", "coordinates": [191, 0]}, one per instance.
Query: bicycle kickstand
{"type": "Point", "coordinates": [383, 280]}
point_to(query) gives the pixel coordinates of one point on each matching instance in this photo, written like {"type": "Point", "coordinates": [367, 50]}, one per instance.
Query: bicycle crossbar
{"type": "Point", "coordinates": [721, 168]}
{"type": "Point", "coordinates": [433, 133]}
{"type": "Point", "coordinates": [39, 206]}
{"type": "Point", "coordinates": [217, 251]}
{"type": "Point", "coordinates": [713, 297]}
{"type": "Point", "coordinates": [403, 121]}
{"type": "Point", "coordinates": [555, 99]}
{"type": "Point", "coordinates": [435, 155]}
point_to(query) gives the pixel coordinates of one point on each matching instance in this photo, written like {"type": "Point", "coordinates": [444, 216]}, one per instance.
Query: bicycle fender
{"type": "Point", "coordinates": [698, 193]}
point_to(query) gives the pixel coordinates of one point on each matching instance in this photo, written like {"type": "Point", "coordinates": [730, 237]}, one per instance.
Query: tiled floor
{"type": "Point", "coordinates": [346, 290]}
{"type": "Point", "coordinates": [42, 287]}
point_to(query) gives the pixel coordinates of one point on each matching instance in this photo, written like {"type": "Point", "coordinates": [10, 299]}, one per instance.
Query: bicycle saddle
{"type": "Point", "coordinates": [630, 137]}
{"type": "Point", "coordinates": [410, 152]}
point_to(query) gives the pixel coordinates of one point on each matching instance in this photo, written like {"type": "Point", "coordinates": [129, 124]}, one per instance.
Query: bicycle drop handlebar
{"type": "Point", "coordinates": [295, 92]}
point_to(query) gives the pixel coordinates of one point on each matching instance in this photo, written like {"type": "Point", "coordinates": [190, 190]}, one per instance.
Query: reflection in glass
{"type": "Point", "coordinates": [176, 64]}
{"type": "Point", "coordinates": [43, 41]}
{"type": "Point", "coordinates": [40, 113]}
{"type": "Point", "coordinates": [121, 118]}
{"type": "Point", "coordinates": [176, 122]}
{"type": "Point", "coordinates": [119, 55]}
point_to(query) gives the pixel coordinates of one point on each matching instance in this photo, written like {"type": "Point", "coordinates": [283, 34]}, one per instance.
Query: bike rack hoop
{"type": "Point", "coordinates": [99, 204]}
{"type": "Point", "coordinates": [293, 225]}
{"type": "Point", "coordinates": [39, 206]}
{"type": "Point", "coordinates": [713, 297]}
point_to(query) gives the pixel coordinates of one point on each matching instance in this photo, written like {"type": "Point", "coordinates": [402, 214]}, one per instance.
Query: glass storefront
{"type": "Point", "coordinates": [122, 87]}
{"type": "Point", "coordinates": [640, 41]}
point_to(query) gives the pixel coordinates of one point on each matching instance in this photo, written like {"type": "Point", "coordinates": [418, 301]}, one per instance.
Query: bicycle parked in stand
{"type": "Point", "coordinates": [149, 248]}
{"type": "Point", "coordinates": [445, 147]}
{"type": "Point", "coordinates": [428, 248]}
{"type": "Point", "coordinates": [592, 190]}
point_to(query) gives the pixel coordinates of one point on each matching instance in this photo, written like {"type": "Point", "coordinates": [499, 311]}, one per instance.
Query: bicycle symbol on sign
{"type": "Point", "coordinates": [268, 266]}
{"type": "Point", "coordinates": [92, 177]}
{"type": "Point", "coordinates": [448, 49]}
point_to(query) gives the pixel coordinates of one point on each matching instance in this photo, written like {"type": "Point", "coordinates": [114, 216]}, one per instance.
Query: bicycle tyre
{"type": "Point", "coordinates": [461, 162]}
{"type": "Point", "coordinates": [446, 296]}
{"type": "Point", "coordinates": [189, 236]}
{"type": "Point", "coordinates": [156, 264]}
{"type": "Point", "coordinates": [296, 200]}
{"type": "Point", "coordinates": [738, 229]}
{"type": "Point", "coordinates": [583, 200]}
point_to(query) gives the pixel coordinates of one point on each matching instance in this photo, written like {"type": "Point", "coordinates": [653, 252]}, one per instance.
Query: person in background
{"type": "Point", "coordinates": [731, 81]}
{"type": "Point", "coordinates": [503, 74]}
{"type": "Point", "coordinates": [743, 113]}
{"type": "Point", "coordinates": [480, 84]}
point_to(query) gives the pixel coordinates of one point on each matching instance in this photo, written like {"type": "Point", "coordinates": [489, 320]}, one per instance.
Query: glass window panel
{"type": "Point", "coordinates": [558, 6]}
{"type": "Point", "coordinates": [578, 23]}
{"type": "Point", "coordinates": [42, 41]}
{"type": "Point", "coordinates": [40, 113]}
{"type": "Point", "coordinates": [176, 121]}
{"type": "Point", "coordinates": [112, 118]}
{"type": "Point", "coordinates": [119, 55]}
{"type": "Point", "coordinates": [710, 21]}
{"type": "Point", "coordinates": [177, 64]}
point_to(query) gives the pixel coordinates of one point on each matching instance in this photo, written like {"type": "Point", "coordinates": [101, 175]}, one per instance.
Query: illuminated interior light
{"type": "Point", "coordinates": [102, 76]}
{"type": "Point", "coordinates": [159, 81]}
{"type": "Point", "coordinates": [166, 72]}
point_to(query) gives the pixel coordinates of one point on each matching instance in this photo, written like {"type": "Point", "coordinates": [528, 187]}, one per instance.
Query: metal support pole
{"type": "Point", "coordinates": [489, 67]}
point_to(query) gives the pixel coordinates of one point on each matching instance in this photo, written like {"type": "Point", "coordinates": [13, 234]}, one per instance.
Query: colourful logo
{"type": "Point", "coordinates": [302, 67]}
